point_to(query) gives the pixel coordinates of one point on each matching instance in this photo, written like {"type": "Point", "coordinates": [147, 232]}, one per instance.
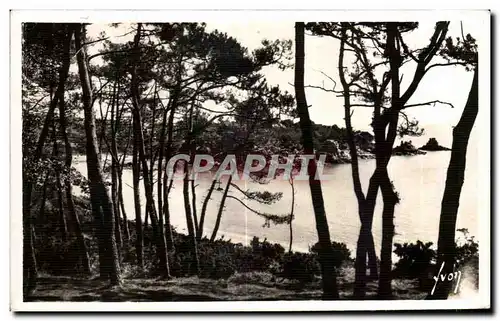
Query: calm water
{"type": "Point", "coordinates": [419, 180]}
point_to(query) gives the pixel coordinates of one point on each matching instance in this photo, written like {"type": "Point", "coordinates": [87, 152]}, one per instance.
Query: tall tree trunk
{"type": "Point", "coordinates": [328, 270]}
{"type": "Point", "coordinates": [192, 151]}
{"type": "Point", "coordinates": [193, 202]}
{"type": "Point", "coordinates": [390, 201]}
{"type": "Point", "coordinates": [221, 209]}
{"type": "Point", "coordinates": [126, 230]}
{"type": "Point", "coordinates": [390, 198]}
{"type": "Point", "coordinates": [30, 270]}
{"type": "Point", "coordinates": [291, 214]}
{"type": "Point", "coordinates": [163, 250]}
{"type": "Point", "coordinates": [453, 188]}
{"type": "Point", "coordinates": [199, 233]}
{"type": "Point", "coordinates": [136, 111]}
{"type": "Point", "coordinates": [161, 148]}
{"type": "Point", "coordinates": [148, 184]}
{"type": "Point", "coordinates": [151, 138]}
{"type": "Point", "coordinates": [70, 205]}
{"type": "Point", "coordinates": [115, 169]}
{"type": "Point", "coordinates": [29, 261]}
{"type": "Point", "coordinates": [63, 226]}
{"type": "Point", "coordinates": [41, 213]}
{"type": "Point", "coordinates": [136, 168]}
{"type": "Point", "coordinates": [166, 212]}
{"type": "Point", "coordinates": [116, 206]}
{"type": "Point", "coordinates": [104, 257]}
{"type": "Point", "coordinates": [189, 217]}
{"type": "Point", "coordinates": [60, 206]}
{"type": "Point", "coordinates": [99, 195]}
{"type": "Point", "coordinates": [166, 191]}
{"type": "Point", "coordinates": [166, 238]}
{"type": "Point", "coordinates": [372, 257]}
{"type": "Point", "coordinates": [146, 216]}
{"type": "Point", "coordinates": [365, 243]}
{"type": "Point", "coordinates": [121, 166]}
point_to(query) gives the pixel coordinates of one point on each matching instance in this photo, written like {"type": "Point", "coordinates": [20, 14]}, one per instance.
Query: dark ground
{"type": "Point", "coordinates": [252, 286]}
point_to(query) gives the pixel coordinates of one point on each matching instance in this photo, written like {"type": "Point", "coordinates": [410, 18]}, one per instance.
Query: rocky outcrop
{"type": "Point", "coordinates": [433, 145]}
{"type": "Point", "coordinates": [334, 153]}
{"type": "Point", "coordinates": [338, 153]}
{"type": "Point", "coordinates": [406, 149]}
{"type": "Point", "coordinates": [365, 141]}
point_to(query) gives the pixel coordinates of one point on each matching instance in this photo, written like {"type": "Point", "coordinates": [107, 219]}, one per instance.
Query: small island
{"type": "Point", "coordinates": [433, 145]}
{"type": "Point", "coordinates": [406, 148]}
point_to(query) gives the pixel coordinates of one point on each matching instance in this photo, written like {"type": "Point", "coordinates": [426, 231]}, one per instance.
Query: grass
{"type": "Point", "coordinates": [251, 286]}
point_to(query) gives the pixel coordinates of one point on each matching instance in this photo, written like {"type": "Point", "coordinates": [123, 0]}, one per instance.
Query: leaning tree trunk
{"type": "Point", "coordinates": [193, 201]}
{"type": "Point", "coordinates": [70, 205]}
{"type": "Point", "coordinates": [372, 255]}
{"type": "Point", "coordinates": [199, 233]}
{"type": "Point", "coordinates": [138, 129]}
{"type": "Point", "coordinates": [63, 225]}
{"type": "Point", "coordinates": [29, 261]}
{"type": "Point", "coordinates": [126, 230]}
{"type": "Point", "coordinates": [166, 189]}
{"type": "Point", "coordinates": [453, 188]}
{"type": "Point", "coordinates": [99, 195]}
{"type": "Point", "coordinates": [365, 246]}
{"type": "Point", "coordinates": [328, 270]}
{"type": "Point", "coordinates": [365, 243]}
{"type": "Point", "coordinates": [151, 137]}
{"type": "Point", "coordinates": [221, 209]}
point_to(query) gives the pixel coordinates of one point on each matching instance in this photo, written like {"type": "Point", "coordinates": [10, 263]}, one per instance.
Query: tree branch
{"type": "Point", "coordinates": [446, 64]}
{"type": "Point", "coordinates": [424, 59]}
{"type": "Point", "coordinates": [323, 89]}
{"type": "Point", "coordinates": [264, 215]}
{"type": "Point", "coordinates": [406, 50]}
{"type": "Point", "coordinates": [433, 102]}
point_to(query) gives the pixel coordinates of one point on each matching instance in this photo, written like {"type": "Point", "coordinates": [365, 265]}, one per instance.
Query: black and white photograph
{"type": "Point", "coordinates": [250, 160]}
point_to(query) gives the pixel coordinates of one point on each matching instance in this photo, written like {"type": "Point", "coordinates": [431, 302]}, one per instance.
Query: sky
{"type": "Point", "coordinates": [450, 84]}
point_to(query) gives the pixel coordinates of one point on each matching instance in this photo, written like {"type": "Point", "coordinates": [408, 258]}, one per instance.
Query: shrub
{"type": "Point", "coordinates": [219, 259]}
{"type": "Point", "coordinates": [414, 259]}
{"type": "Point", "coordinates": [468, 250]}
{"type": "Point", "coordinates": [302, 267]}
{"type": "Point", "coordinates": [266, 249]}
{"type": "Point", "coordinates": [58, 257]}
{"type": "Point", "coordinates": [251, 277]}
{"type": "Point", "coordinates": [341, 253]}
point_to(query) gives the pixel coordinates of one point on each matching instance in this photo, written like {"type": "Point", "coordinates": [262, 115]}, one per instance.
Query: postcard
{"type": "Point", "coordinates": [250, 160]}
